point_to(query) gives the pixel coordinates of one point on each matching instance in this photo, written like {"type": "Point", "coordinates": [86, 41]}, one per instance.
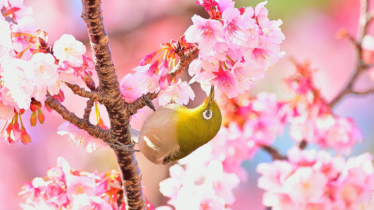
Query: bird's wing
{"type": "Point", "coordinates": [134, 134]}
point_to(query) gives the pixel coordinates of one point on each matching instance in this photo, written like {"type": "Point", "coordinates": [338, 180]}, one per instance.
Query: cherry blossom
{"type": "Point", "coordinates": [68, 49]}
{"type": "Point", "coordinates": [80, 137]}
{"type": "Point", "coordinates": [5, 38]}
{"type": "Point", "coordinates": [77, 185]}
{"type": "Point", "coordinates": [6, 112]}
{"type": "Point", "coordinates": [17, 10]}
{"type": "Point", "coordinates": [83, 201]}
{"type": "Point", "coordinates": [205, 32]}
{"type": "Point", "coordinates": [179, 93]}
{"type": "Point", "coordinates": [42, 69]}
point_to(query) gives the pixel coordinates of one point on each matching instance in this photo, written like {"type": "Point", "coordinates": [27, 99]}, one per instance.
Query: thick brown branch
{"type": "Point", "coordinates": [93, 130]}
{"type": "Point", "coordinates": [114, 104]}
{"type": "Point", "coordinates": [361, 66]}
{"type": "Point", "coordinates": [273, 152]}
{"type": "Point", "coordinates": [93, 95]}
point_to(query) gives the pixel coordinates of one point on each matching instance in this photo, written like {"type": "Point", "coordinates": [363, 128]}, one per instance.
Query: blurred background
{"type": "Point", "coordinates": [136, 28]}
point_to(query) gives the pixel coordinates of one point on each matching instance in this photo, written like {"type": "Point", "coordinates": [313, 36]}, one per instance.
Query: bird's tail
{"type": "Point", "coordinates": [134, 134]}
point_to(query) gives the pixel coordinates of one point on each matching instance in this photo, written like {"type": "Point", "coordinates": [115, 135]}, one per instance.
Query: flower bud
{"type": "Point", "coordinates": [33, 119]}
{"type": "Point", "coordinates": [25, 137]}
{"type": "Point", "coordinates": [41, 116]}
{"type": "Point", "coordinates": [147, 59]}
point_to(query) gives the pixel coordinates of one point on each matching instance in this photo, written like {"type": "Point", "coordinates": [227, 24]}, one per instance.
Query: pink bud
{"type": "Point", "coordinates": [41, 116]}
{"type": "Point", "coordinates": [147, 59]}
{"type": "Point", "coordinates": [25, 137]}
{"type": "Point", "coordinates": [33, 119]}
{"type": "Point", "coordinates": [242, 10]}
{"type": "Point", "coordinates": [153, 68]}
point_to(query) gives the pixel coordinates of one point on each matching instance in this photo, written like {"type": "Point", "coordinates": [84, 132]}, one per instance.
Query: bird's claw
{"type": "Point", "coordinates": [124, 147]}
{"type": "Point", "coordinates": [148, 103]}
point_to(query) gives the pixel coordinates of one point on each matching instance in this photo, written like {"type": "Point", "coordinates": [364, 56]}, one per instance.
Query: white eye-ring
{"type": "Point", "coordinates": [207, 114]}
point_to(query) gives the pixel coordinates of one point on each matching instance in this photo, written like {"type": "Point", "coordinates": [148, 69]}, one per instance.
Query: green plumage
{"type": "Point", "coordinates": [193, 130]}
{"type": "Point", "coordinates": [174, 131]}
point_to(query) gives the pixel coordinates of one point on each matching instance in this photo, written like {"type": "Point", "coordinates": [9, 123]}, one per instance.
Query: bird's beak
{"type": "Point", "coordinates": [211, 95]}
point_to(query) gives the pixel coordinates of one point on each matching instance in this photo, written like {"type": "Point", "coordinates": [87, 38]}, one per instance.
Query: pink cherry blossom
{"type": "Point", "coordinates": [77, 185]}
{"type": "Point", "coordinates": [207, 4]}
{"type": "Point", "coordinates": [130, 92]}
{"type": "Point", "coordinates": [179, 93]}
{"type": "Point", "coordinates": [84, 201]}
{"type": "Point", "coordinates": [222, 183]}
{"type": "Point", "coordinates": [20, 42]}
{"type": "Point", "coordinates": [6, 112]}
{"type": "Point", "coordinates": [225, 4]}
{"type": "Point", "coordinates": [13, 76]}
{"type": "Point", "coordinates": [225, 82]}
{"type": "Point", "coordinates": [305, 185]}
{"type": "Point", "coordinates": [243, 76]}
{"type": "Point", "coordinates": [42, 69]}
{"type": "Point", "coordinates": [273, 175]}
{"type": "Point", "coordinates": [170, 187]}
{"type": "Point", "coordinates": [265, 55]}
{"type": "Point", "coordinates": [234, 28]}
{"type": "Point", "coordinates": [67, 48]}
{"type": "Point", "coordinates": [22, 11]}
{"type": "Point", "coordinates": [278, 201]}
{"type": "Point", "coordinates": [80, 137]}
{"type": "Point", "coordinates": [134, 85]}
{"type": "Point", "coordinates": [5, 37]}
{"type": "Point", "coordinates": [205, 32]}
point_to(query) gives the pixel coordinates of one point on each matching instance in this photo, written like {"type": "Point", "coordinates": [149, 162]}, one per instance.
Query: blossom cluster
{"type": "Point", "coordinates": [314, 122]}
{"type": "Point", "coordinates": [30, 68]}
{"type": "Point", "coordinates": [316, 180]}
{"type": "Point", "coordinates": [236, 47]}
{"type": "Point", "coordinates": [251, 123]}
{"type": "Point", "coordinates": [65, 188]}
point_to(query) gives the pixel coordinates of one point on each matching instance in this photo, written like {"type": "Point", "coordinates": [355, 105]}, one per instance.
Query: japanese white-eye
{"type": "Point", "coordinates": [174, 131]}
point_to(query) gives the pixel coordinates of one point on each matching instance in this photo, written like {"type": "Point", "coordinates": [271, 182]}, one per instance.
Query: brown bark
{"type": "Point", "coordinates": [118, 115]}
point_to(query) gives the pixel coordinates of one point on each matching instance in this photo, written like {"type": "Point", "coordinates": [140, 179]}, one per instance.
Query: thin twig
{"type": "Point", "coordinates": [361, 66]}
{"type": "Point", "coordinates": [368, 91]}
{"type": "Point", "coordinates": [87, 110]}
{"type": "Point", "coordinates": [93, 95]}
{"type": "Point", "coordinates": [93, 130]}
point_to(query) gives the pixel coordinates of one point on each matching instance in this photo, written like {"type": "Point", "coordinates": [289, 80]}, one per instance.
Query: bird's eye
{"type": "Point", "coordinates": [207, 114]}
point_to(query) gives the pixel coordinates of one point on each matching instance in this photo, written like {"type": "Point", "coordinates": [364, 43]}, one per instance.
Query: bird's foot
{"type": "Point", "coordinates": [124, 147]}
{"type": "Point", "coordinates": [148, 103]}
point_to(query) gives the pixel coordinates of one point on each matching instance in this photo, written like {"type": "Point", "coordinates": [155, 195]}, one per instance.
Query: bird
{"type": "Point", "coordinates": [174, 131]}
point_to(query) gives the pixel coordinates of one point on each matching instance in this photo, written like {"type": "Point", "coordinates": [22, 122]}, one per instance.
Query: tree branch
{"type": "Point", "coordinates": [93, 95]}
{"type": "Point", "coordinates": [93, 130]}
{"type": "Point", "coordinates": [114, 104]}
{"type": "Point", "coordinates": [87, 110]}
{"type": "Point", "coordinates": [361, 66]}
{"type": "Point", "coordinates": [273, 152]}
{"type": "Point", "coordinates": [368, 91]}
{"type": "Point", "coordinates": [184, 61]}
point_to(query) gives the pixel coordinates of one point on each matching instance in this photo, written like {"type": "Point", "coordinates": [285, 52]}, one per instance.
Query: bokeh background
{"type": "Point", "coordinates": [136, 28]}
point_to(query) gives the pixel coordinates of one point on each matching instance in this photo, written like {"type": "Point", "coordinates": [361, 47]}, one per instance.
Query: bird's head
{"type": "Point", "coordinates": [210, 111]}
